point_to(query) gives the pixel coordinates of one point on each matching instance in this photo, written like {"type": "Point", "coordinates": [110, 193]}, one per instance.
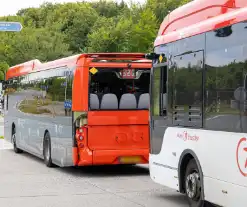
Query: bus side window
{"type": "Point", "coordinates": [187, 90]}
{"type": "Point", "coordinates": [164, 97]}
{"type": "Point", "coordinates": [159, 92]}
{"type": "Point", "coordinates": [225, 104]}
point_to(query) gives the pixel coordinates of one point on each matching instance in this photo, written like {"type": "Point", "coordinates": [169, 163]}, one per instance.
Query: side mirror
{"type": "Point", "coordinates": [240, 94]}
{"type": "Point", "coordinates": [151, 56]}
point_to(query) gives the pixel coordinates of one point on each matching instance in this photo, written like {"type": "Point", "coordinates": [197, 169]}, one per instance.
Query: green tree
{"type": "Point", "coordinates": [109, 8]}
{"type": "Point", "coordinates": [3, 68]}
{"type": "Point", "coordinates": [162, 8]}
{"type": "Point", "coordinates": [32, 43]}
{"type": "Point", "coordinates": [124, 34]}
{"type": "Point", "coordinates": [101, 39]}
{"type": "Point", "coordinates": [57, 30]}
{"type": "Point", "coordinates": [75, 20]}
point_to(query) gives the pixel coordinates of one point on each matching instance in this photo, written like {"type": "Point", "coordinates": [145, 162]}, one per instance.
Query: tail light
{"type": "Point", "coordinates": [81, 136]}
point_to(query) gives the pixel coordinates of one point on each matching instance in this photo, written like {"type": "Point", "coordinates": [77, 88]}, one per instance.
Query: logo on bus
{"type": "Point", "coordinates": [187, 136]}
{"type": "Point", "coordinates": [241, 156]}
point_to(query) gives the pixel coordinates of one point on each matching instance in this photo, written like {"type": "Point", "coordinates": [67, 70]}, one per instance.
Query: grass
{"type": "Point", "coordinates": [30, 106]}
{"type": "Point", "coordinates": [33, 110]}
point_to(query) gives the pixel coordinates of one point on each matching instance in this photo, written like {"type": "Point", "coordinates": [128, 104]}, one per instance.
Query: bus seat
{"type": "Point", "coordinates": [144, 101]}
{"type": "Point", "coordinates": [100, 95]}
{"type": "Point", "coordinates": [109, 101]}
{"type": "Point", "coordinates": [137, 95]}
{"type": "Point", "coordinates": [94, 101]}
{"type": "Point", "coordinates": [128, 101]}
{"type": "Point", "coordinates": [164, 100]}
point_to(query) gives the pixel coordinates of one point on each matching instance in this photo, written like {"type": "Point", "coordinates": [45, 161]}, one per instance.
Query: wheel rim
{"type": "Point", "coordinates": [193, 186]}
{"type": "Point", "coordinates": [14, 141]}
{"type": "Point", "coordinates": [47, 151]}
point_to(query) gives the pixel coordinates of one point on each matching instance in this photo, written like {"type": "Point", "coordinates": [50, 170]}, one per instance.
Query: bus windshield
{"type": "Point", "coordinates": [118, 83]}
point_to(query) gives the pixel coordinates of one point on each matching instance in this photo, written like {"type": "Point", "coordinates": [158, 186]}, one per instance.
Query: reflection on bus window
{"type": "Point", "coordinates": [47, 93]}
{"type": "Point", "coordinates": [156, 91]}
{"type": "Point", "coordinates": [226, 67]}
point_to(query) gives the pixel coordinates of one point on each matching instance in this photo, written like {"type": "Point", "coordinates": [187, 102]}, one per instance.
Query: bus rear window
{"type": "Point", "coordinates": [117, 89]}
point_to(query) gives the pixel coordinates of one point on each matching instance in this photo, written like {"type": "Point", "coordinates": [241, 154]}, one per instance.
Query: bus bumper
{"type": "Point", "coordinates": [114, 157]}
{"type": "Point", "coordinates": [139, 156]}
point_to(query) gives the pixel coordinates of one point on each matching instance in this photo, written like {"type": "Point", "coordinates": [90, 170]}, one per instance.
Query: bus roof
{"type": "Point", "coordinates": [22, 68]}
{"type": "Point", "coordinates": [36, 65]}
{"type": "Point", "coordinates": [197, 11]}
{"type": "Point", "coordinates": [210, 24]}
{"type": "Point", "coordinates": [104, 56]}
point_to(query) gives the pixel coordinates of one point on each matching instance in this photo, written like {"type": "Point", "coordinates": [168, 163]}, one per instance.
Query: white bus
{"type": "Point", "coordinates": [198, 119]}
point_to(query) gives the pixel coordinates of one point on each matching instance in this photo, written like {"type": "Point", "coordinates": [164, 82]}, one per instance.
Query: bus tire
{"type": "Point", "coordinates": [16, 149]}
{"type": "Point", "coordinates": [193, 185]}
{"type": "Point", "coordinates": [47, 150]}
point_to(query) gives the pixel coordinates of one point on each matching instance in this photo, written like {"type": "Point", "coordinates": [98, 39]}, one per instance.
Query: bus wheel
{"type": "Point", "coordinates": [47, 150]}
{"type": "Point", "coordinates": [16, 149]}
{"type": "Point", "coordinates": [193, 185]}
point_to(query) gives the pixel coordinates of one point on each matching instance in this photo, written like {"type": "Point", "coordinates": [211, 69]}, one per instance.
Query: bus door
{"type": "Point", "coordinates": [159, 105]}
{"type": "Point", "coordinates": [177, 92]}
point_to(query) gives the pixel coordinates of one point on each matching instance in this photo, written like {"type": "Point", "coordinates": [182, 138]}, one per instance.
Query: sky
{"type": "Point", "coordinates": [10, 7]}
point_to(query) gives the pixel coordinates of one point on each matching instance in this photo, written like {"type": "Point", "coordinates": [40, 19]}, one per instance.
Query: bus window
{"type": "Point", "coordinates": [58, 91]}
{"type": "Point", "coordinates": [114, 92]}
{"type": "Point", "coordinates": [156, 92]}
{"type": "Point", "coordinates": [225, 78]}
{"type": "Point", "coordinates": [187, 89]}
{"type": "Point", "coordinates": [159, 91]}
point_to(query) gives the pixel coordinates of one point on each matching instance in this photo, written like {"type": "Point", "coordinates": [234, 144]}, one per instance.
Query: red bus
{"type": "Point", "coordinates": [88, 109]}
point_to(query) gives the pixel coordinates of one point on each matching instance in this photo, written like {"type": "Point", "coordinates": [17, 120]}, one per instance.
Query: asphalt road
{"type": "Point", "coordinates": [27, 182]}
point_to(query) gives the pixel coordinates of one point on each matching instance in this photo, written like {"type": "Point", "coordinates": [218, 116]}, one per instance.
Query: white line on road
{"type": "Point", "coordinates": [215, 117]}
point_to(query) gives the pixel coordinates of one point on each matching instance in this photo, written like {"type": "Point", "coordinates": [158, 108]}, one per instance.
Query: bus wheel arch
{"type": "Point", "coordinates": [47, 149]}
{"type": "Point", "coordinates": [185, 159]}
